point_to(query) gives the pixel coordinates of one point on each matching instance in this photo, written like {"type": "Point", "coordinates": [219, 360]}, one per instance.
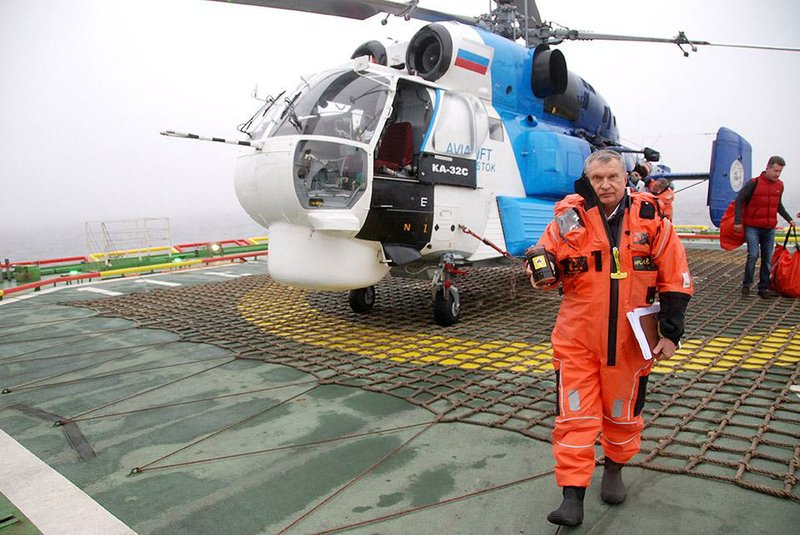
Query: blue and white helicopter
{"type": "Point", "coordinates": [419, 159]}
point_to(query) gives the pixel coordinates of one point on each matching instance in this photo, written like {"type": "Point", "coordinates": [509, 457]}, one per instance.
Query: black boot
{"type": "Point", "coordinates": [613, 488]}
{"type": "Point", "coordinates": [570, 512]}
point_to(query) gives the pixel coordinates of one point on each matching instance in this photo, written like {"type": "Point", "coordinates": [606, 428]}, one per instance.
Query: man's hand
{"type": "Point", "coordinates": [538, 285]}
{"type": "Point", "coordinates": [664, 349]}
{"type": "Point", "coordinates": [529, 273]}
{"type": "Point", "coordinates": [738, 228]}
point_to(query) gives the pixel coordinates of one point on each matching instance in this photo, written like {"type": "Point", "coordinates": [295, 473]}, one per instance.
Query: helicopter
{"type": "Point", "coordinates": [426, 157]}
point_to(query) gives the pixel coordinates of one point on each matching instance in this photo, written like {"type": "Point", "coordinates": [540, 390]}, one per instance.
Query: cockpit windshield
{"type": "Point", "coordinates": [265, 118]}
{"type": "Point", "coordinates": [341, 104]}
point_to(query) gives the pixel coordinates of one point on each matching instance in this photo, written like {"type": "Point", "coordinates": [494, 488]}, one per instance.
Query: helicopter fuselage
{"type": "Point", "coordinates": [367, 168]}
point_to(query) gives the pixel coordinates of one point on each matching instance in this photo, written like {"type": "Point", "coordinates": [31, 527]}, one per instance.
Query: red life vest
{"type": "Point", "coordinates": [761, 210]}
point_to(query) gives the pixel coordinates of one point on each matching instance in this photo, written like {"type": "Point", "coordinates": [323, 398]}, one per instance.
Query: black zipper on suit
{"type": "Point", "coordinates": [613, 298]}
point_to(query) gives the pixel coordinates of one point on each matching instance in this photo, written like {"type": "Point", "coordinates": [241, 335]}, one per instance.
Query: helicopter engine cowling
{"type": "Point", "coordinates": [453, 55]}
{"type": "Point", "coordinates": [549, 73]}
{"type": "Point", "coordinates": [374, 49]}
{"type": "Point", "coordinates": [581, 104]}
{"type": "Point", "coordinates": [384, 52]}
{"type": "Point", "coordinates": [429, 52]}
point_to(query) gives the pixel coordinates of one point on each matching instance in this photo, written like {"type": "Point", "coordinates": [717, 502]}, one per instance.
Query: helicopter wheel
{"type": "Point", "coordinates": [362, 299]}
{"type": "Point", "coordinates": [446, 306]}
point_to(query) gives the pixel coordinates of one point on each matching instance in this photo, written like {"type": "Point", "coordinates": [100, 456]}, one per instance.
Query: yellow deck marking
{"type": "Point", "coordinates": [285, 312]}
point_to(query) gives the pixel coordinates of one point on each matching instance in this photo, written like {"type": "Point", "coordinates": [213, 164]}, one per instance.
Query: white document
{"type": "Point", "coordinates": [634, 318]}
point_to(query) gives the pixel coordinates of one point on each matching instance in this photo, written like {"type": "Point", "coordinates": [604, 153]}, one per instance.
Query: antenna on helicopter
{"type": "Point", "coordinates": [255, 144]}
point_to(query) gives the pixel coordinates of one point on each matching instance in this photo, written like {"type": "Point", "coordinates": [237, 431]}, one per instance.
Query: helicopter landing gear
{"type": "Point", "coordinates": [446, 303]}
{"type": "Point", "coordinates": [362, 299]}
{"type": "Point", "coordinates": [446, 306]}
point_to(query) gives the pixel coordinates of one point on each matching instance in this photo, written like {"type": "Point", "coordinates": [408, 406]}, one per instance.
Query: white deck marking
{"type": "Point", "coordinates": [100, 291]}
{"type": "Point", "coordinates": [160, 283]}
{"type": "Point", "coordinates": [9, 300]}
{"type": "Point", "coordinates": [218, 274]}
{"type": "Point", "coordinates": [47, 498]}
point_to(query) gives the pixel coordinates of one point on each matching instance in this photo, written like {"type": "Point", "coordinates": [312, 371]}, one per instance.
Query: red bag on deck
{"type": "Point", "coordinates": [785, 275]}
{"type": "Point", "coordinates": [729, 239]}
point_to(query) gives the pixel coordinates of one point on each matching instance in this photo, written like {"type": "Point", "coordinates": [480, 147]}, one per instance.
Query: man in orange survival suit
{"type": "Point", "coordinates": [615, 252]}
{"type": "Point", "coordinates": [660, 189]}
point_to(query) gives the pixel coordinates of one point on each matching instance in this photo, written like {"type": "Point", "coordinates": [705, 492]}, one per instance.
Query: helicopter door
{"type": "Point", "coordinates": [401, 211]}
{"type": "Point", "coordinates": [449, 163]}
{"type": "Point", "coordinates": [450, 152]}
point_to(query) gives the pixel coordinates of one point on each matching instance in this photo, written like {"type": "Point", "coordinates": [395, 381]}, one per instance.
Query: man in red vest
{"type": "Point", "coordinates": [761, 199]}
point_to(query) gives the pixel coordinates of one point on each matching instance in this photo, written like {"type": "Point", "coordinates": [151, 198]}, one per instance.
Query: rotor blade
{"type": "Point", "coordinates": [577, 35]}
{"type": "Point", "coordinates": [351, 9]}
{"type": "Point", "coordinates": [357, 9]}
{"type": "Point", "coordinates": [532, 10]}
{"type": "Point", "coordinates": [755, 47]}
{"type": "Point", "coordinates": [680, 39]}
{"type": "Point", "coordinates": [429, 15]}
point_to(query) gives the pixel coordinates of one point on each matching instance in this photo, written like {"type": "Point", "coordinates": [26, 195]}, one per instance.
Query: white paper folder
{"type": "Point", "coordinates": [644, 322]}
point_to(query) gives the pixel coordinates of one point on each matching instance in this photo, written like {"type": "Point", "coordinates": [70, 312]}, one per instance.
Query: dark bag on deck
{"type": "Point", "coordinates": [729, 239]}
{"type": "Point", "coordinates": [785, 275]}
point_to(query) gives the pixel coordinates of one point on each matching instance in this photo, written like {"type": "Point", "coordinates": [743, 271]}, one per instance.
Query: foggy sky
{"type": "Point", "coordinates": [86, 86]}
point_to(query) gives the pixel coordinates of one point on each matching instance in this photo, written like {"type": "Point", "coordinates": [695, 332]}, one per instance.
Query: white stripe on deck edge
{"type": "Point", "coordinates": [100, 291]}
{"type": "Point", "coordinates": [47, 498]}
{"type": "Point", "coordinates": [160, 283]}
{"type": "Point", "coordinates": [9, 300]}
{"type": "Point", "coordinates": [217, 274]}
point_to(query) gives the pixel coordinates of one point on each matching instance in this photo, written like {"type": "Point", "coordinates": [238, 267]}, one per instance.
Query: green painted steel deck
{"type": "Point", "coordinates": [12, 521]}
{"type": "Point", "coordinates": [225, 403]}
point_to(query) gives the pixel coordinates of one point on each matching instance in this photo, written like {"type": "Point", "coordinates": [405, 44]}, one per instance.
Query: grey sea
{"type": "Point", "coordinates": [39, 240]}
{"type": "Point", "coordinates": [43, 240]}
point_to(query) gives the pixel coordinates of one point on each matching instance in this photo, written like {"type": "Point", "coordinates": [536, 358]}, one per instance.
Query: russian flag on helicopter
{"type": "Point", "coordinates": [471, 61]}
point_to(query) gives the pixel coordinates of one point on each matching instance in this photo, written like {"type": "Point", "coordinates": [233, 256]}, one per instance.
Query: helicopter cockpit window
{"type": "Point", "coordinates": [329, 175]}
{"type": "Point", "coordinates": [339, 104]}
{"type": "Point", "coordinates": [264, 119]}
{"type": "Point", "coordinates": [495, 129]}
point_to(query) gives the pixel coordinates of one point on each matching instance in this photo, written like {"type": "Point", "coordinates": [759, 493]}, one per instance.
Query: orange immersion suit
{"type": "Point", "coordinates": [665, 199]}
{"type": "Point", "coordinates": [601, 374]}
